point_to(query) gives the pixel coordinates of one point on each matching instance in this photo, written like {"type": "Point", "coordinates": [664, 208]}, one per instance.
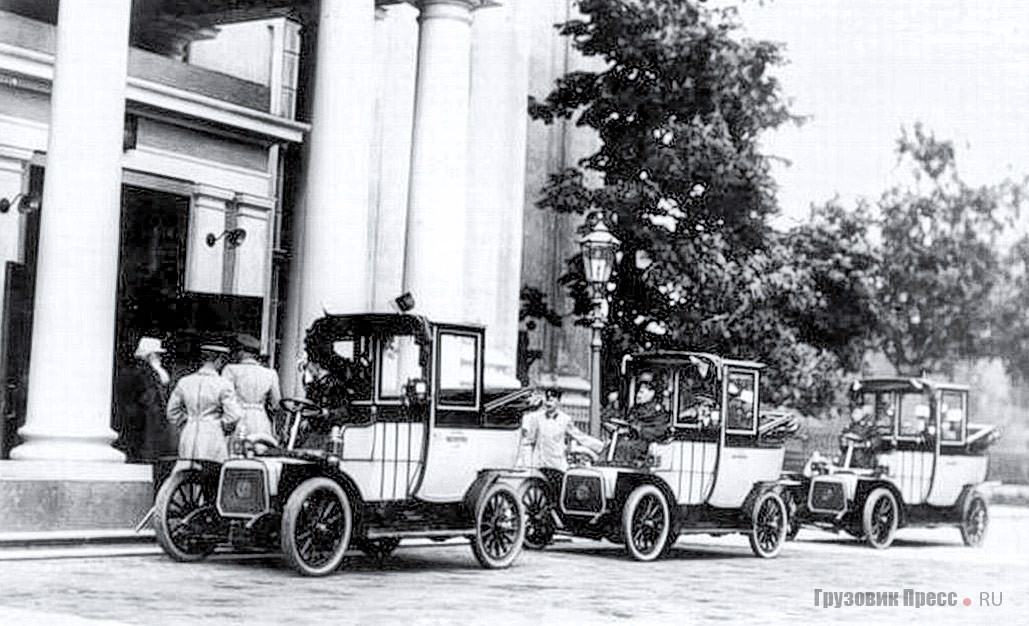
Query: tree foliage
{"type": "Point", "coordinates": [942, 270]}
{"type": "Point", "coordinates": [679, 109]}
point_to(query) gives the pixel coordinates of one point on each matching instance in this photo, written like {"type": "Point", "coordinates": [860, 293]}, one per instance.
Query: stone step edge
{"type": "Point", "coordinates": [71, 538]}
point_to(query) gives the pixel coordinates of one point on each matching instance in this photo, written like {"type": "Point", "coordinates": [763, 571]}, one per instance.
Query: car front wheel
{"type": "Point", "coordinates": [316, 527]}
{"type": "Point", "coordinates": [975, 521]}
{"type": "Point", "coordinates": [770, 521]}
{"type": "Point", "coordinates": [880, 518]}
{"type": "Point", "coordinates": [499, 527]}
{"type": "Point", "coordinates": [539, 517]}
{"type": "Point", "coordinates": [186, 523]}
{"type": "Point", "coordinates": [646, 523]}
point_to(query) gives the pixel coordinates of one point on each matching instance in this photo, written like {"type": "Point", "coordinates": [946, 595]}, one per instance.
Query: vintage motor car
{"type": "Point", "coordinates": [416, 448]}
{"type": "Point", "coordinates": [915, 462]}
{"type": "Point", "coordinates": [716, 469]}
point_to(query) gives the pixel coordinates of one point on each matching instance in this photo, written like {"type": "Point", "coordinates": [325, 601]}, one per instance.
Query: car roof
{"type": "Point", "coordinates": [671, 357]}
{"type": "Point", "coordinates": [902, 383]}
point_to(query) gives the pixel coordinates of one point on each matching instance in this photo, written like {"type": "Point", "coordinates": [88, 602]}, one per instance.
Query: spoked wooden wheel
{"type": "Point", "coordinates": [646, 523]}
{"type": "Point", "coordinates": [186, 523]}
{"type": "Point", "coordinates": [499, 527]}
{"type": "Point", "coordinates": [770, 525]}
{"type": "Point", "coordinates": [975, 521]}
{"type": "Point", "coordinates": [316, 527]}
{"type": "Point", "coordinates": [880, 518]}
{"type": "Point", "coordinates": [539, 519]}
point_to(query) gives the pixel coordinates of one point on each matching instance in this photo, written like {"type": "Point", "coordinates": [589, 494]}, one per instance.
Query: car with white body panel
{"type": "Point", "coordinates": [417, 448]}
{"type": "Point", "coordinates": [716, 470]}
{"type": "Point", "coordinates": [917, 462]}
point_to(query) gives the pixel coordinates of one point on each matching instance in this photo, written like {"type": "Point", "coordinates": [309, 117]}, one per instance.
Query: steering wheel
{"type": "Point", "coordinates": [306, 408]}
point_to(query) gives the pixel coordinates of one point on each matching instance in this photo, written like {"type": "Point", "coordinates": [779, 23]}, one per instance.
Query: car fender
{"type": "Point", "coordinates": [777, 486]}
{"type": "Point", "coordinates": [486, 478]}
{"type": "Point", "coordinates": [961, 506]}
{"type": "Point", "coordinates": [295, 473]}
{"type": "Point", "coordinates": [865, 486]}
{"type": "Point", "coordinates": [627, 481]}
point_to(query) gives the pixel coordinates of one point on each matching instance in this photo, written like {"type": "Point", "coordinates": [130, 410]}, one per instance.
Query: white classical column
{"type": "Point", "coordinates": [496, 189]}
{"type": "Point", "coordinates": [437, 207]}
{"type": "Point", "coordinates": [69, 396]}
{"type": "Point", "coordinates": [399, 41]}
{"type": "Point", "coordinates": [329, 269]}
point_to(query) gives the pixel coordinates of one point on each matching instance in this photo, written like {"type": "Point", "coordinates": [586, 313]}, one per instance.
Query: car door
{"type": "Point", "coordinates": [687, 462]}
{"type": "Point", "coordinates": [742, 462]}
{"type": "Point", "coordinates": [459, 445]}
{"type": "Point", "coordinates": [912, 462]}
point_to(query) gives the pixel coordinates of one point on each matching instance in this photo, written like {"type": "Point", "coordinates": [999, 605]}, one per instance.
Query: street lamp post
{"type": "Point", "coordinates": [599, 249]}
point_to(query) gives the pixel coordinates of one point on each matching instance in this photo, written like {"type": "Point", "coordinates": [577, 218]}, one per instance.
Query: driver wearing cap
{"type": "Point", "coordinates": [647, 419]}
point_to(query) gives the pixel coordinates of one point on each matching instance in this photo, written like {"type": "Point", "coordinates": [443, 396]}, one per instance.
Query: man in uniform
{"type": "Point", "coordinates": [648, 421]}
{"type": "Point", "coordinates": [862, 432]}
{"type": "Point", "coordinates": [545, 433]}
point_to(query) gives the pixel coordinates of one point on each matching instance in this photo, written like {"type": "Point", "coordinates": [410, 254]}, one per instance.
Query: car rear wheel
{"type": "Point", "coordinates": [499, 527]}
{"type": "Point", "coordinates": [316, 527]}
{"type": "Point", "coordinates": [539, 516]}
{"type": "Point", "coordinates": [770, 521]}
{"type": "Point", "coordinates": [880, 518]}
{"type": "Point", "coordinates": [975, 521]}
{"type": "Point", "coordinates": [186, 523]}
{"type": "Point", "coordinates": [646, 523]}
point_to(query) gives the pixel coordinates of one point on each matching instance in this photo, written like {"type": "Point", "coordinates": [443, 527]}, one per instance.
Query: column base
{"type": "Point", "coordinates": [52, 448]}
{"type": "Point", "coordinates": [52, 497]}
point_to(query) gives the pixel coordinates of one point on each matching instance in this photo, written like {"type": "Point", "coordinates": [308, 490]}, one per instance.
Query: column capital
{"type": "Point", "coordinates": [437, 8]}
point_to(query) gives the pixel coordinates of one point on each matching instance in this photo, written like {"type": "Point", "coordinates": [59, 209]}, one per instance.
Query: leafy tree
{"type": "Point", "coordinates": [679, 109]}
{"type": "Point", "coordinates": [941, 268]}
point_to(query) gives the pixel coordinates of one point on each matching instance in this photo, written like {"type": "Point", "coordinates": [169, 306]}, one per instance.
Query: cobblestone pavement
{"type": "Point", "coordinates": [578, 582]}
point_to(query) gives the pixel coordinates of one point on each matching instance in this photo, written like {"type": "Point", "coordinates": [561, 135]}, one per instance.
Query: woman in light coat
{"type": "Point", "coordinates": [256, 386]}
{"type": "Point", "coordinates": [204, 407]}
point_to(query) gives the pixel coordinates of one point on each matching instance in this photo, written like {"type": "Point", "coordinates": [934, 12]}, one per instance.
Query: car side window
{"type": "Point", "coordinates": [399, 362]}
{"type": "Point", "coordinates": [952, 416]}
{"type": "Point", "coordinates": [458, 370]}
{"type": "Point", "coordinates": [914, 415]}
{"type": "Point", "coordinates": [740, 407]}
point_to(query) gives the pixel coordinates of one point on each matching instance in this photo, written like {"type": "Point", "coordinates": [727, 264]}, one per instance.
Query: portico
{"type": "Point", "coordinates": [366, 195]}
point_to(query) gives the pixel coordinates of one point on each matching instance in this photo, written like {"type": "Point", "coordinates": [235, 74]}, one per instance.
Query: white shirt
{"type": "Point", "coordinates": [544, 439]}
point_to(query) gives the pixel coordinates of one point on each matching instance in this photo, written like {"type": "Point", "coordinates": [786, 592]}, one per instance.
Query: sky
{"type": "Point", "coordinates": [862, 69]}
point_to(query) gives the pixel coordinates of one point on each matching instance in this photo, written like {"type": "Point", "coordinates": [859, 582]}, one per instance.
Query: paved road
{"type": "Point", "coordinates": [703, 579]}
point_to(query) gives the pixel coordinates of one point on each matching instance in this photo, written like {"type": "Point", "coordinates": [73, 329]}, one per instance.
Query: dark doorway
{"type": "Point", "coordinates": [151, 267]}
{"type": "Point", "coordinates": [153, 301]}
{"type": "Point", "coordinates": [16, 328]}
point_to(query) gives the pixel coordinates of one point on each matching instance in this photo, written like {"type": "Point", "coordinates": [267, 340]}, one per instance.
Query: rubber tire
{"type": "Point", "coordinates": [482, 555]}
{"type": "Point", "coordinates": [537, 540]}
{"type": "Point", "coordinates": [873, 498]}
{"type": "Point", "coordinates": [628, 513]}
{"type": "Point", "coordinates": [291, 512]}
{"type": "Point", "coordinates": [161, 530]}
{"type": "Point", "coordinates": [784, 524]}
{"type": "Point", "coordinates": [966, 537]}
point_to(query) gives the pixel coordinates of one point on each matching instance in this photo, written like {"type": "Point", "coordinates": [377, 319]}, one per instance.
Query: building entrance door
{"type": "Point", "coordinates": [16, 327]}
{"type": "Point", "coordinates": [151, 265]}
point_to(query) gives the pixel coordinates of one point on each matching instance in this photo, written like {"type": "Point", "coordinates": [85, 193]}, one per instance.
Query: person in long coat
{"type": "Point", "coordinates": [257, 387]}
{"type": "Point", "coordinates": [142, 397]}
{"type": "Point", "coordinates": [204, 407]}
